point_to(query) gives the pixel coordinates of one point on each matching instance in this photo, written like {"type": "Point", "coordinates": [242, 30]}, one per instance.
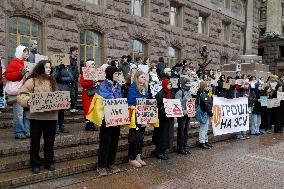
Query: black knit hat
{"type": "Point", "coordinates": [110, 70]}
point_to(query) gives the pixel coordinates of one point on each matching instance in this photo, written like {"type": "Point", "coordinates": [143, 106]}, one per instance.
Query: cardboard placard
{"type": "Point", "coordinates": [263, 100]}
{"type": "Point", "coordinates": [173, 107]}
{"type": "Point", "coordinates": [280, 95]}
{"type": "Point", "coordinates": [214, 82]}
{"type": "Point", "coordinates": [226, 85]}
{"type": "Point", "coordinates": [57, 59]}
{"type": "Point", "coordinates": [49, 101]}
{"type": "Point", "coordinates": [194, 87]}
{"type": "Point", "coordinates": [146, 111]}
{"type": "Point", "coordinates": [101, 74]}
{"type": "Point", "coordinates": [89, 73]}
{"type": "Point", "coordinates": [276, 102]}
{"type": "Point", "coordinates": [174, 82]}
{"type": "Point", "coordinates": [238, 67]}
{"type": "Point", "coordinates": [230, 115]}
{"type": "Point", "coordinates": [39, 57]}
{"type": "Point", "coordinates": [270, 103]}
{"type": "Point", "coordinates": [190, 107]}
{"type": "Point", "coordinates": [143, 68]}
{"type": "Point", "coordinates": [155, 87]}
{"type": "Point", "coordinates": [240, 82]}
{"type": "Point", "coordinates": [116, 112]}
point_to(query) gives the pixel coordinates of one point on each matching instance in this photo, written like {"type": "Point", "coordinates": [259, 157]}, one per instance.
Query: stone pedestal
{"type": "Point", "coordinates": [250, 65]}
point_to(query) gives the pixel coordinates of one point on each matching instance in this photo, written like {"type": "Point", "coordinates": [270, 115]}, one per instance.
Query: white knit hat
{"type": "Point", "coordinates": [133, 66]}
{"type": "Point", "coordinates": [20, 51]}
{"type": "Point", "coordinates": [90, 63]}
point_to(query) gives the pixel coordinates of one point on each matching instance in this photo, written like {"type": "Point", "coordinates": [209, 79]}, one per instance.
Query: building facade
{"type": "Point", "coordinates": [151, 28]}
{"type": "Point", "coordinates": [271, 42]}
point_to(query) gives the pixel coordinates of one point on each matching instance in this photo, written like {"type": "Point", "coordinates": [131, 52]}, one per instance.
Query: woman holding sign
{"type": "Point", "coordinates": [41, 123]}
{"type": "Point", "coordinates": [138, 89]}
{"type": "Point", "coordinates": [164, 134]}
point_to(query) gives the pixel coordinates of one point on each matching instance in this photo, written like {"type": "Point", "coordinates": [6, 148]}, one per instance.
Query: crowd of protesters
{"type": "Point", "coordinates": [135, 84]}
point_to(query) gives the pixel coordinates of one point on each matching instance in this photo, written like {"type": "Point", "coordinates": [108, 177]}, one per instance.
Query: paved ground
{"type": "Point", "coordinates": [254, 163]}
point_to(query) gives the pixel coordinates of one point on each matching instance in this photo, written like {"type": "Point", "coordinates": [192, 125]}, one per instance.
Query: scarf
{"type": "Point", "coordinates": [165, 82]}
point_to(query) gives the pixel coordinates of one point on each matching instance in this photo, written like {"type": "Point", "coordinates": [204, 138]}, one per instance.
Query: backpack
{"type": "Point", "coordinates": [201, 116]}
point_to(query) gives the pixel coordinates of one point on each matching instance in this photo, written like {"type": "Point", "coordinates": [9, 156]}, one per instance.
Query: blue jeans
{"type": "Point", "coordinates": [21, 124]}
{"type": "Point", "coordinates": [203, 137]}
{"type": "Point", "coordinates": [256, 121]}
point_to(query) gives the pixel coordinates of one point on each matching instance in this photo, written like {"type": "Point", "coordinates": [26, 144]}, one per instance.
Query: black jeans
{"type": "Point", "coordinates": [109, 137]}
{"type": "Point", "coordinates": [74, 94]}
{"type": "Point", "coordinates": [47, 129]}
{"type": "Point", "coordinates": [182, 134]}
{"type": "Point", "coordinates": [135, 139]}
{"type": "Point", "coordinates": [61, 118]}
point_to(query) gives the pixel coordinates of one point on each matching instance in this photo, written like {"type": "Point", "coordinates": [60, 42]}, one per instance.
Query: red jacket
{"type": "Point", "coordinates": [86, 100]}
{"type": "Point", "coordinates": [13, 71]}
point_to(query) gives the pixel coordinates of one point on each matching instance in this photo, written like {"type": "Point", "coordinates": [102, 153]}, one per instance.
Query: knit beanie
{"type": "Point", "coordinates": [110, 70]}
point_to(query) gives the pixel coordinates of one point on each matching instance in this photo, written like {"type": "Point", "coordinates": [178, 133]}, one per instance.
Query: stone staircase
{"type": "Point", "coordinates": [75, 152]}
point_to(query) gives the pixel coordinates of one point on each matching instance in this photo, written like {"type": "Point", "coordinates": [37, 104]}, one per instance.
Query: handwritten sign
{"type": "Point", "coordinates": [226, 85]}
{"type": "Point", "coordinates": [263, 100]}
{"type": "Point", "coordinates": [143, 68]}
{"type": "Point", "coordinates": [49, 101]}
{"type": "Point", "coordinates": [89, 73]}
{"type": "Point", "coordinates": [240, 82]}
{"type": "Point", "coordinates": [173, 107]}
{"type": "Point", "coordinates": [194, 88]}
{"type": "Point", "coordinates": [155, 87]}
{"type": "Point", "coordinates": [230, 115]}
{"type": "Point", "coordinates": [270, 103]}
{"type": "Point", "coordinates": [280, 95]}
{"type": "Point", "coordinates": [174, 82]}
{"type": "Point", "coordinates": [190, 107]}
{"type": "Point", "coordinates": [146, 111]}
{"type": "Point", "coordinates": [39, 57]}
{"type": "Point", "coordinates": [57, 59]}
{"type": "Point", "coordinates": [116, 112]}
{"type": "Point", "coordinates": [276, 102]}
{"type": "Point", "coordinates": [100, 73]}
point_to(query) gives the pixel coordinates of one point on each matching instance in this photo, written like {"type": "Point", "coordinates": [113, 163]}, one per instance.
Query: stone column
{"type": "Point", "coordinates": [249, 26]}
{"type": "Point", "coordinates": [273, 16]}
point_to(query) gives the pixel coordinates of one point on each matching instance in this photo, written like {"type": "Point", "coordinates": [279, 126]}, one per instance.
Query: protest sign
{"type": "Point", "coordinates": [240, 82]}
{"type": "Point", "coordinates": [100, 73]}
{"type": "Point", "coordinates": [263, 100]}
{"type": "Point", "coordinates": [276, 102]}
{"type": "Point", "coordinates": [174, 82]}
{"type": "Point", "coordinates": [116, 112]}
{"type": "Point", "coordinates": [280, 95]}
{"type": "Point", "coordinates": [39, 57]}
{"type": "Point", "coordinates": [230, 115]}
{"type": "Point", "coordinates": [143, 68]}
{"type": "Point", "coordinates": [184, 76]}
{"type": "Point", "coordinates": [190, 107]}
{"type": "Point", "coordinates": [2, 102]}
{"type": "Point", "coordinates": [89, 73]}
{"type": "Point", "coordinates": [155, 87]}
{"type": "Point", "coordinates": [226, 85]}
{"type": "Point", "coordinates": [273, 85]}
{"type": "Point", "coordinates": [48, 101]}
{"type": "Point", "coordinates": [173, 107]}
{"type": "Point", "coordinates": [194, 87]}
{"type": "Point", "coordinates": [214, 82]}
{"type": "Point", "coordinates": [270, 103]}
{"type": "Point", "coordinates": [238, 67]}
{"type": "Point", "coordinates": [146, 111]}
{"type": "Point", "coordinates": [57, 59]}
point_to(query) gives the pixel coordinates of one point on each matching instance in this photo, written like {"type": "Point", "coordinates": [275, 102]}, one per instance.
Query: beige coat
{"type": "Point", "coordinates": [36, 85]}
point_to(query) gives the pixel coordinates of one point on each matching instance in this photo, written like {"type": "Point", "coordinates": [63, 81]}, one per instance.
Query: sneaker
{"type": "Point", "coordinates": [138, 158]}
{"type": "Point", "coordinates": [35, 169]}
{"type": "Point", "coordinates": [50, 167]}
{"type": "Point", "coordinates": [114, 169]}
{"type": "Point", "coordinates": [208, 144]}
{"type": "Point", "coordinates": [269, 131]}
{"type": "Point", "coordinates": [161, 157]}
{"type": "Point", "coordinates": [135, 163]}
{"type": "Point", "coordinates": [28, 135]}
{"type": "Point", "coordinates": [102, 171]}
{"type": "Point", "coordinates": [20, 137]}
{"type": "Point", "coordinates": [91, 128]}
{"type": "Point", "coordinates": [203, 146]}
{"type": "Point", "coordinates": [73, 110]}
{"type": "Point", "coordinates": [63, 130]}
{"type": "Point", "coordinates": [247, 137]}
{"type": "Point", "coordinates": [57, 130]}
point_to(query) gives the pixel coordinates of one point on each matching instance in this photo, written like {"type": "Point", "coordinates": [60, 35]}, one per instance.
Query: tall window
{"type": "Point", "coordinates": [243, 3]}
{"type": "Point", "coordinates": [242, 41]}
{"type": "Point", "coordinates": [227, 4]}
{"type": "Point", "coordinates": [91, 46]}
{"type": "Point", "coordinates": [262, 14]}
{"type": "Point", "coordinates": [202, 25]}
{"type": "Point", "coordinates": [282, 9]}
{"type": "Point", "coordinates": [96, 2]}
{"type": "Point", "coordinates": [175, 16]}
{"type": "Point", "coordinates": [227, 32]}
{"type": "Point", "coordinates": [173, 56]}
{"type": "Point", "coordinates": [223, 60]}
{"type": "Point", "coordinates": [138, 49]}
{"type": "Point", "coordinates": [138, 7]}
{"type": "Point", "coordinates": [21, 31]}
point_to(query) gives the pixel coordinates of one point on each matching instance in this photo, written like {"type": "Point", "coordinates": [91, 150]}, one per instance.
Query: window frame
{"type": "Point", "coordinates": [178, 17]}
{"type": "Point", "coordinates": [143, 10]}
{"type": "Point", "coordinates": [175, 58]}
{"type": "Point", "coordinates": [93, 3]}
{"type": "Point", "coordinates": [224, 26]}
{"type": "Point", "coordinates": [228, 4]}
{"type": "Point", "coordinates": [136, 54]}
{"type": "Point", "coordinates": [94, 46]}
{"type": "Point", "coordinates": [204, 25]}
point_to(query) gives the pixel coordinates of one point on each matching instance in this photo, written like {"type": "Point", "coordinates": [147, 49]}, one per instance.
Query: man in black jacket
{"type": "Point", "coordinates": [74, 53]}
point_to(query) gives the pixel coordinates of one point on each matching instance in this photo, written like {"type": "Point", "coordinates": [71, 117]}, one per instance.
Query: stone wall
{"type": "Point", "coordinates": [62, 21]}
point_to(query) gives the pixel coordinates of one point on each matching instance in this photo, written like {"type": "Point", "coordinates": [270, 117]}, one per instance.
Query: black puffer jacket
{"type": "Point", "coordinates": [74, 68]}
{"type": "Point", "coordinates": [206, 102]}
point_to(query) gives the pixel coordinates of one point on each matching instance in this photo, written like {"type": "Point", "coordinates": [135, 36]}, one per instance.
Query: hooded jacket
{"type": "Point", "coordinates": [184, 94]}
{"type": "Point", "coordinates": [133, 94]}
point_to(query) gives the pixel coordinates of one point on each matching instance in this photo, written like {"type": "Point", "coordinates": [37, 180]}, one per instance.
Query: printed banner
{"type": "Point", "coordinates": [57, 59]}
{"type": "Point", "coordinates": [39, 57]}
{"type": "Point", "coordinates": [173, 107]}
{"type": "Point", "coordinates": [146, 111]}
{"type": "Point", "coordinates": [230, 115]}
{"type": "Point", "coordinates": [263, 100]}
{"type": "Point", "coordinates": [116, 112]}
{"type": "Point", "coordinates": [280, 95]}
{"type": "Point", "coordinates": [155, 87]}
{"type": "Point", "coordinates": [89, 73]}
{"type": "Point", "coordinates": [174, 82]}
{"type": "Point", "coordinates": [48, 101]}
{"type": "Point", "coordinates": [190, 107]}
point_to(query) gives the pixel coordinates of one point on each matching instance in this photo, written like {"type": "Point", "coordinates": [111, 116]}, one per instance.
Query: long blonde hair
{"type": "Point", "coordinates": [136, 80]}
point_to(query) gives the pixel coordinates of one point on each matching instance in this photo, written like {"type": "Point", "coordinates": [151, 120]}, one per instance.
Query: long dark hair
{"type": "Point", "coordinates": [39, 72]}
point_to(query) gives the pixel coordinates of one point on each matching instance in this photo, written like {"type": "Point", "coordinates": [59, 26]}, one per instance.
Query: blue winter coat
{"type": "Point", "coordinates": [107, 91]}
{"type": "Point", "coordinates": [133, 94]}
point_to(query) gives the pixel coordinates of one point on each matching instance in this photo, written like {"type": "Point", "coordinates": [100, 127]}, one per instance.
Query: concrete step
{"type": "Point", "coordinates": [25, 176]}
